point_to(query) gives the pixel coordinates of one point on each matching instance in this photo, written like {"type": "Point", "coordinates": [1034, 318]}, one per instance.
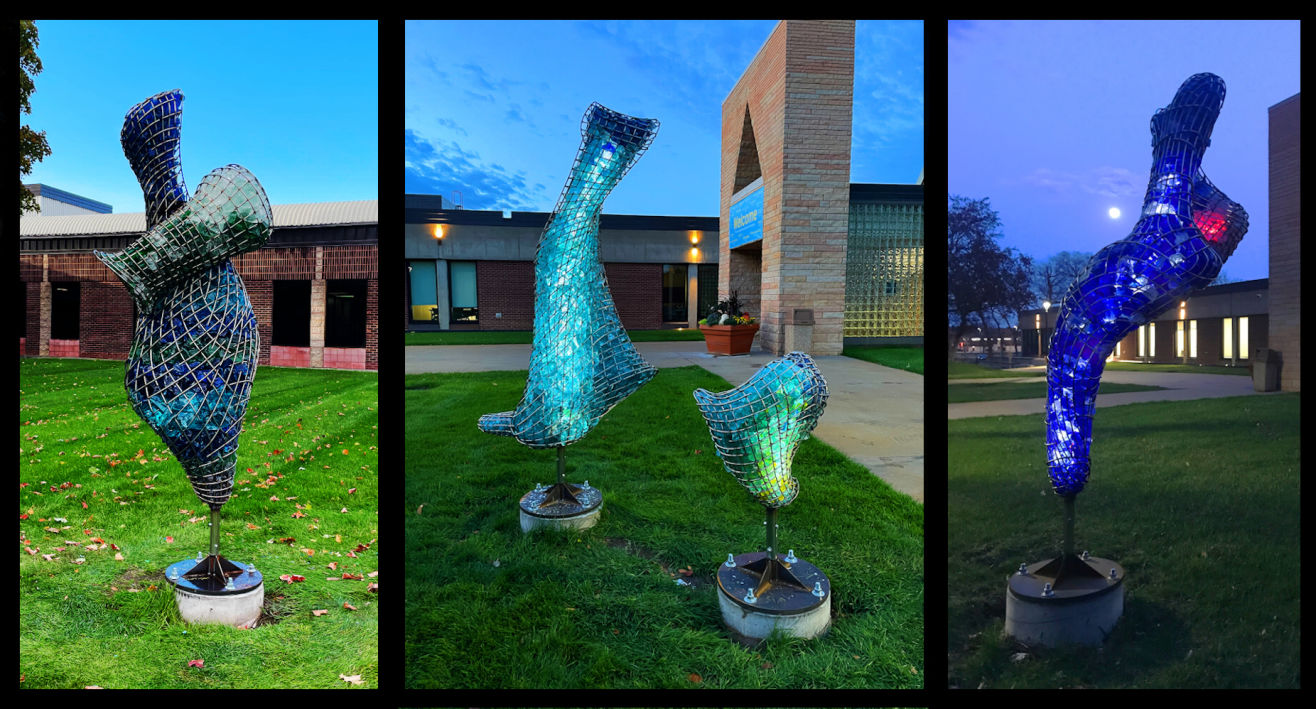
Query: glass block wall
{"type": "Point", "coordinates": [884, 270]}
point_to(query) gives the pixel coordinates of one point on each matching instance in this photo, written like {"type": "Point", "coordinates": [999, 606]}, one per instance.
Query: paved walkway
{"type": "Point", "coordinates": [1178, 387]}
{"type": "Point", "coordinates": [874, 413]}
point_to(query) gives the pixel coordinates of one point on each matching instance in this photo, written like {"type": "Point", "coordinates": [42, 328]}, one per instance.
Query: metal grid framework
{"type": "Point", "coordinates": [1187, 229]}
{"type": "Point", "coordinates": [582, 363]}
{"type": "Point", "coordinates": [884, 271]}
{"type": "Point", "coordinates": [758, 426]}
{"type": "Point", "coordinates": [195, 343]}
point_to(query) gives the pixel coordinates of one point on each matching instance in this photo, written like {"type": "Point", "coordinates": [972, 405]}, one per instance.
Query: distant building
{"type": "Point", "coordinates": [58, 203]}
{"type": "Point", "coordinates": [314, 286]}
{"type": "Point", "coordinates": [1218, 325]}
{"type": "Point", "coordinates": [1285, 152]}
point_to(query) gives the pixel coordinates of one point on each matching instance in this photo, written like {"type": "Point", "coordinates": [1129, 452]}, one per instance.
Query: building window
{"type": "Point", "coordinates": [290, 313]}
{"type": "Point", "coordinates": [423, 277]}
{"type": "Point", "coordinates": [1192, 339]}
{"type": "Point", "coordinates": [1117, 350]}
{"type": "Point", "coordinates": [675, 307]}
{"type": "Point", "coordinates": [1151, 339]}
{"type": "Point", "coordinates": [1227, 346]}
{"type": "Point", "coordinates": [65, 310]}
{"type": "Point", "coordinates": [1142, 341]}
{"type": "Point", "coordinates": [462, 292]}
{"type": "Point", "coordinates": [1179, 343]}
{"type": "Point", "coordinates": [345, 313]}
{"type": "Point", "coordinates": [1242, 338]}
{"type": "Point", "coordinates": [707, 288]}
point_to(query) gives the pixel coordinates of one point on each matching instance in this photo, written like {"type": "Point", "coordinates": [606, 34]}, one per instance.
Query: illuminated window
{"type": "Point", "coordinates": [1142, 341]}
{"type": "Point", "coordinates": [1178, 338]}
{"type": "Point", "coordinates": [1242, 338]}
{"type": "Point", "coordinates": [1227, 348]}
{"type": "Point", "coordinates": [1151, 339]}
{"type": "Point", "coordinates": [1192, 339]}
{"type": "Point", "coordinates": [462, 291]}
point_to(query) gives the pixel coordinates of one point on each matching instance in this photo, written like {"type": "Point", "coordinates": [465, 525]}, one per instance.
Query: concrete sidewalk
{"type": "Point", "coordinates": [874, 413]}
{"type": "Point", "coordinates": [1178, 387]}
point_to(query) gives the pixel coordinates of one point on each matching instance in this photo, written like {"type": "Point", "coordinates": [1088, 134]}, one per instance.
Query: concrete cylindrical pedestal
{"type": "Point", "coordinates": [240, 610]}
{"type": "Point", "coordinates": [562, 506]}
{"type": "Point", "coordinates": [1039, 611]}
{"type": "Point", "coordinates": [792, 609]}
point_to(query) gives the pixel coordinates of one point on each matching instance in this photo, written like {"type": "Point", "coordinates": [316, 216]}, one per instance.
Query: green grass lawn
{"type": "Point", "coordinates": [909, 359]}
{"type": "Point", "coordinates": [1242, 371]}
{"type": "Point", "coordinates": [960, 393]}
{"type": "Point", "coordinates": [91, 470]}
{"type": "Point", "coordinates": [488, 606]}
{"type": "Point", "coordinates": [1199, 502]}
{"type": "Point", "coordinates": [524, 337]}
{"type": "Point", "coordinates": [965, 370]}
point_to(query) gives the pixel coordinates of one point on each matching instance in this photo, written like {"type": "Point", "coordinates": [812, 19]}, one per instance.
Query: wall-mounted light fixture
{"type": "Point", "coordinates": [694, 237]}
{"type": "Point", "coordinates": [438, 232]}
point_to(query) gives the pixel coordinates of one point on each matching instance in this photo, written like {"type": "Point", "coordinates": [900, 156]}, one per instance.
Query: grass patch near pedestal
{"type": "Point", "coordinates": [907, 358]}
{"type": "Point", "coordinates": [1198, 500]}
{"type": "Point", "coordinates": [525, 337]}
{"type": "Point", "coordinates": [90, 470]}
{"type": "Point", "coordinates": [491, 607]}
{"type": "Point", "coordinates": [975, 391]}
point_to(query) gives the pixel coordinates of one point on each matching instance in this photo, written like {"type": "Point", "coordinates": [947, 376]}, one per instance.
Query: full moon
{"type": "Point", "coordinates": [1114, 212]}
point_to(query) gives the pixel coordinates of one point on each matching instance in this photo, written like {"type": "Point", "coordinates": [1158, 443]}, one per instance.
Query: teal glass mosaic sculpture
{"type": "Point", "coordinates": [195, 342]}
{"type": "Point", "coordinates": [582, 363]}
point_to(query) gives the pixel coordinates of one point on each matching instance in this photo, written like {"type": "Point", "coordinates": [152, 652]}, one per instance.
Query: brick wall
{"type": "Point", "coordinates": [799, 93]}
{"type": "Point", "coordinates": [106, 325]}
{"type": "Point", "coordinates": [372, 324]}
{"type": "Point", "coordinates": [506, 287]}
{"type": "Point", "coordinates": [637, 289]}
{"type": "Point", "coordinates": [1285, 182]}
{"type": "Point", "coordinates": [261, 295]}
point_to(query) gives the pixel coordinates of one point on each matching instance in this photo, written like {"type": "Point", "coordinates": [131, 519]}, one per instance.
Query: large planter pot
{"type": "Point", "coordinates": [729, 339]}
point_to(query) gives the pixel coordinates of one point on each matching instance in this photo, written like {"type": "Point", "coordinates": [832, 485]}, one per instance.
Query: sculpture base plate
{"type": "Point", "coordinates": [1086, 602]}
{"type": "Point", "coordinates": [240, 610]}
{"type": "Point", "coordinates": [567, 507]}
{"type": "Point", "coordinates": [792, 609]}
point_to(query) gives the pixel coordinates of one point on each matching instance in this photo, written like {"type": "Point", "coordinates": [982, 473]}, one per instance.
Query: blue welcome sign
{"type": "Point", "coordinates": [747, 219]}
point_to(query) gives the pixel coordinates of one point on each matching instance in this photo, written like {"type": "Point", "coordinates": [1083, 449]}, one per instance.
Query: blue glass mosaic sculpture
{"type": "Point", "coordinates": [1188, 228]}
{"type": "Point", "coordinates": [195, 344]}
{"type": "Point", "coordinates": [758, 426]}
{"type": "Point", "coordinates": [582, 363]}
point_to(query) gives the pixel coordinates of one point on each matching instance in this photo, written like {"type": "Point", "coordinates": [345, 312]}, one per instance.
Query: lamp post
{"type": "Point", "coordinates": [1046, 317]}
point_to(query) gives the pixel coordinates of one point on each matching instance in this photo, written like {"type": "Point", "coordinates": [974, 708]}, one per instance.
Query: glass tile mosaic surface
{"type": "Point", "coordinates": [195, 343]}
{"type": "Point", "coordinates": [1186, 231]}
{"type": "Point", "coordinates": [758, 426]}
{"type": "Point", "coordinates": [582, 362]}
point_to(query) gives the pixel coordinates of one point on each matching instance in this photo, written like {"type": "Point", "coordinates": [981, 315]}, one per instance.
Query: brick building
{"type": "Point", "coordinates": [1286, 239]}
{"type": "Point", "coordinates": [474, 270]}
{"type": "Point", "coordinates": [314, 286]}
{"type": "Point", "coordinates": [1218, 325]}
{"type": "Point", "coordinates": [798, 242]}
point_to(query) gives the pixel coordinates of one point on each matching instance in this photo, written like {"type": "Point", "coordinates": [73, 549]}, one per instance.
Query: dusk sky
{"type": "Point", "coordinates": [294, 102]}
{"type": "Point", "coordinates": [1051, 121]}
{"type": "Point", "coordinates": [493, 108]}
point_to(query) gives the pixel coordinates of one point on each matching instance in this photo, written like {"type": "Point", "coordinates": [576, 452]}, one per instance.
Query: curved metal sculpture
{"type": "Point", "coordinates": [195, 345]}
{"type": "Point", "coordinates": [582, 363]}
{"type": "Point", "coordinates": [1187, 230]}
{"type": "Point", "coordinates": [758, 426]}
{"type": "Point", "coordinates": [756, 429]}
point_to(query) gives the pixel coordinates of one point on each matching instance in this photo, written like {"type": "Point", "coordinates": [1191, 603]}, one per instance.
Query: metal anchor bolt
{"type": "Point", "coordinates": [1047, 592]}
{"type": "Point", "coordinates": [173, 574]}
{"type": "Point", "coordinates": [228, 585]}
{"type": "Point", "coordinates": [586, 484]}
{"type": "Point", "coordinates": [817, 589]}
{"type": "Point", "coordinates": [1023, 569]}
{"type": "Point", "coordinates": [790, 557]}
{"type": "Point", "coordinates": [200, 556]}
{"type": "Point", "coordinates": [1113, 574]}
{"type": "Point", "coordinates": [750, 597]}
{"type": "Point", "coordinates": [251, 569]}
{"type": "Point", "coordinates": [731, 562]}
{"type": "Point", "coordinates": [1086, 556]}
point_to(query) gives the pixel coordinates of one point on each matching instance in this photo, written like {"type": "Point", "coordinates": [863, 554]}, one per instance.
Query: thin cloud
{"type": "Point", "coordinates": [444, 167]}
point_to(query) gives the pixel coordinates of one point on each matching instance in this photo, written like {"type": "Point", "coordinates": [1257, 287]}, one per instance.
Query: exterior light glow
{"type": "Point", "coordinates": [438, 231]}
{"type": "Point", "coordinates": [694, 237]}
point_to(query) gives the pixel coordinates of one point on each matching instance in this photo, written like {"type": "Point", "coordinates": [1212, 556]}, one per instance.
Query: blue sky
{"type": "Point", "coordinates": [294, 102]}
{"type": "Point", "coordinates": [493, 108]}
{"type": "Point", "coordinates": [1050, 120]}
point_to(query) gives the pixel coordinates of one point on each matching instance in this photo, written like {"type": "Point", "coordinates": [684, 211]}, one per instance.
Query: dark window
{"type": "Point", "coordinates": [22, 308]}
{"type": "Point", "coordinates": [65, 310]}
{"type": "Point", "coordinates": [674, 293]}
{"type": "Point", "coordinates": [291, 313]}
{"type": "Point", "coordinates": [707, 288]}
{"type": "Point", "coordinates": [345, 313]}
{"type": "Point", "coordinates": [462, 292]}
